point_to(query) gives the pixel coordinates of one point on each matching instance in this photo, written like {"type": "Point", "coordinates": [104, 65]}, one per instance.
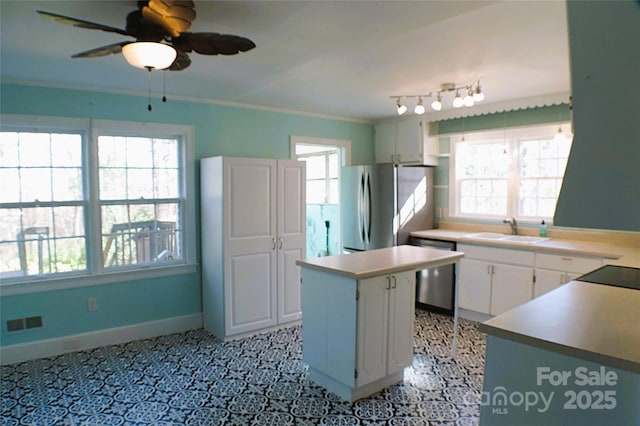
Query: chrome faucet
{"type": "Point", "coordinates": [514, 225]}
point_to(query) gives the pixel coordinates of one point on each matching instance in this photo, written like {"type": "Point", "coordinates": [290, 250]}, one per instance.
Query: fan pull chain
{"type": "Point", "coordinates": [149, 91]}
{"type": "Point", "coordinates": [164, 86]}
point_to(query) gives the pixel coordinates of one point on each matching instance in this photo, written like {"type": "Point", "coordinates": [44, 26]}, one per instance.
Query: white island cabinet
{"type": "Point", "coordinates": [253, 232]}
{"type": "Point", "coordinates": [358, 314]}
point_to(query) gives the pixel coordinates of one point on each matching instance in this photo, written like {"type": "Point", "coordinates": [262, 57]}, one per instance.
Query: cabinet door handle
{"type": "Point", "coordinates": [489, 269]}
{"type": "Point", "coordinates": [398, 158]}
{"type": "Point", "coordinates": [280, 243]}
{"type": "Point", "coordinates": [388, 283]}
{"type": "Point", "coordinates": [567, 259]}
{"type": "Point", "coordinates": [273, 243]}
{"type": "Point", "coordinates": [395, 281]}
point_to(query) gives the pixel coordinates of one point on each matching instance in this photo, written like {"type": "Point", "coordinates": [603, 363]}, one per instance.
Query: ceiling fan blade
{"type": "Point", "coordinates": [102, 51]}
{"type": "Point", "coordinates": [83, 24]}
{"type": "Point", "coordinates": [212, 43]}
{"type": "Point", "coordinates": [181, 62]}
{"type": "Point", "coordinates": [174, 16]}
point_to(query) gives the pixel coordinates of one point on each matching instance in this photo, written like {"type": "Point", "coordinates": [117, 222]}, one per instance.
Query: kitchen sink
{"type": "Point", "coordinates": [494, 236]}
{"type": "Point", "coordinates": [487, 236]}
{"type": "Point", "coordinates": [524, 239]}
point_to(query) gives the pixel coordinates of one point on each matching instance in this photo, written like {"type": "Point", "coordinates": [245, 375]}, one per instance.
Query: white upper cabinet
{"type": "Point", "coordinates": [405, 141]}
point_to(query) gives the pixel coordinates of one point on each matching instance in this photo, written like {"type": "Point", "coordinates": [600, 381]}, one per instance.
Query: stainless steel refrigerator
{"type": "Point", "coordinates": [381, 204]}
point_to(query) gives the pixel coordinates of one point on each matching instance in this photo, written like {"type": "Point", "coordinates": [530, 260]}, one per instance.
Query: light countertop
{"type": "Point", "coordinates": [595, 322]}
{"type": "Point", "coordinates": [383, 261]}
{"type": "Point", "coordinates": [614, 253]}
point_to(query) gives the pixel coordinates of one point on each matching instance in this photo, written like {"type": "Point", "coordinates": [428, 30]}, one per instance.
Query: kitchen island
{"type": "Point", "coordinates": [358, 314]}
{"type": "Point", "coordinates": [571, 356]}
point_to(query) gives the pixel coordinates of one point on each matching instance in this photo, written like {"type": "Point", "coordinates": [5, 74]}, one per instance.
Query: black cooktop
{"type": "Point", "coordinates": [619, 276]}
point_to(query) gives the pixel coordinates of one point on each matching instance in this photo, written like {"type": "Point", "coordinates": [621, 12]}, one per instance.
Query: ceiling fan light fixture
{"type": "Point", "coordinates": [149, 55]}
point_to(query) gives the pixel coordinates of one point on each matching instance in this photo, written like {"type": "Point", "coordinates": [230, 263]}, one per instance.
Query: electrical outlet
{"type": "Point", "coordinates": [92, 304]}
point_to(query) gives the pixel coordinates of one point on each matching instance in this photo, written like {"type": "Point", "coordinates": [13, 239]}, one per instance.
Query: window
{"type": "Point", "coordinates": [322, 172]}
{"type": "Point", "coordinates": [75, 206]}
{"type": "Point", "coordinates": [514, 172]}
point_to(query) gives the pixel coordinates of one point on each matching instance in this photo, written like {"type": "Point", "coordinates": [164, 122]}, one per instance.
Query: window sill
{"type": "Point", "coordinates": [51, 284]}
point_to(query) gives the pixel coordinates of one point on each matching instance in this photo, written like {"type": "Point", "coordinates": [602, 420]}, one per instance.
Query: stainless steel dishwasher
{"type": "Point", "coordinates": [435, 287]}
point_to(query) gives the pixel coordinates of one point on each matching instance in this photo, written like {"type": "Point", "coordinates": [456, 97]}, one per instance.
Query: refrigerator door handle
{"type": "Point", "coordinates": [369, 207]}
{"type": "Point", "coordinates": [361, 202]}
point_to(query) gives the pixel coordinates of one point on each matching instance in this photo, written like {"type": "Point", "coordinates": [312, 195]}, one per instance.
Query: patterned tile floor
{"type": "Point", "coordinates": [193, 378]}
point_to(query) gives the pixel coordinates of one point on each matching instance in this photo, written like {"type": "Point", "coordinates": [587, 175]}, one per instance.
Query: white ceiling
{"type": "Point", "coordinates": [335, 58]}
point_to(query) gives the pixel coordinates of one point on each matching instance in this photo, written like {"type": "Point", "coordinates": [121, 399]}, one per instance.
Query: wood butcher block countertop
{"type": "Point", "coordinates": [383, 261]}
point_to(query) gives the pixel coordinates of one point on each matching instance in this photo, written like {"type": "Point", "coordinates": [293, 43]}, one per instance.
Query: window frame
{"type": "Point", "coordinates": [513, 137]}
{"type": "Point", "coordinates": [95, 272]}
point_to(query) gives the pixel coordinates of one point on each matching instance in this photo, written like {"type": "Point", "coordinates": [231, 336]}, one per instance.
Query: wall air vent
{"type": "Point", "coordinates": [24, 323]}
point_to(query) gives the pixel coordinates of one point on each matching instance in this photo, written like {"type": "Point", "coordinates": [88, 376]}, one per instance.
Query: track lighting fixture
{"type": "Point", "coordinates": [419, 109]}
{"type": "Point", "coordinates": [437, 104]}
{"type": "Point", "coordinates": [401, 108]}
{"type": "Point", "coordinates": [466, 95]}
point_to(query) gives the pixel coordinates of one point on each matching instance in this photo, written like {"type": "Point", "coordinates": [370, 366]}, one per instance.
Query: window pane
{"type": "Point", "coordinates": [66, 150]}
{"type": "Point", "coordinates": [151, 235]}
{"type": "Point", "coordinates": [9, 186]}
{"type": "Point", "coordinates": [139, 152]}
{"type": "Point", "coordinates": [334, 165]}
{"type": "Point", "coordinates": [316, 192]}
{"type": "Point", "coordinates": [113, 184]}
{"type": "Point", "coordinates": [165, 153]}
{"type": "Point", "coordinates": [316, 168]}
{"type": "Point", "coordinates": [67, 184]}
{"type": "Point", "coordinates": [139, 183]}
{"type": "Point", "coordinates": [34, 150]}
{"type": "Point", "coordinates": [9, 149]}
{"type": "Point", "coordinates": [166, 183]}
{"type": "Point", "coordinates": [35, 184]}
{"type": "Point", "coordinates": [334, 191]}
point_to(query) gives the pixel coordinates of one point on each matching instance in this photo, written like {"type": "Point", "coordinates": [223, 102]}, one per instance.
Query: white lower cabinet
{"type": "Point", "coordinates": [357, 334]}
{"type": "Point", "coordinates": [553, 270]}
{"type": "Point", "coordinates": [494, 280]}
{"type": "Point", "coordinates": [385, 326]}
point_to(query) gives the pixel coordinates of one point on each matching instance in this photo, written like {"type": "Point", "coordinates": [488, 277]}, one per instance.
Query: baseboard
{"type": "Point", "coordinates": [84, 341]}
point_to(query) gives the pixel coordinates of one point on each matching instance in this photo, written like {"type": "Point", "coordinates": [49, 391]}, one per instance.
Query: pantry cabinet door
{"type": "Point", "coordinates": [291, 242]}
{"type": "Point", "coordinates": [250, 228]}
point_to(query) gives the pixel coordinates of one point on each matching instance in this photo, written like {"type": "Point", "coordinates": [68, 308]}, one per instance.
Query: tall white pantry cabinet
{"type": "Point", "coordinates": [253, 223]}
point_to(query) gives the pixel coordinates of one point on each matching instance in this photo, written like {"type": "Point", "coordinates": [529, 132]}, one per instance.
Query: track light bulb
{"type": "Point", "coordinates": [478, 96]}
{"type": "Point", "coordinates": [468, 100]}
{"type": "Point", "coordinates": [457, 101]}
{"type": "Point", "coordinates": [401, 108]}
{"type": "Point", "coordinates": [419, 109]}
{"type": "Point", "coordinates": [437, 104]}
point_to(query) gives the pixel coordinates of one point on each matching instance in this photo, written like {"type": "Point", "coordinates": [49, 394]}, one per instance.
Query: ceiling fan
{"type": "Point", "coordinates": [161, 25]}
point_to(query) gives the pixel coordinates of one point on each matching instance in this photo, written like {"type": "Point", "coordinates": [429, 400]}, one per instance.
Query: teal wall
{"type": "Point", "coordinates": [600, 189]}
{"type": "Point", "coordinates": [218, 130]}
